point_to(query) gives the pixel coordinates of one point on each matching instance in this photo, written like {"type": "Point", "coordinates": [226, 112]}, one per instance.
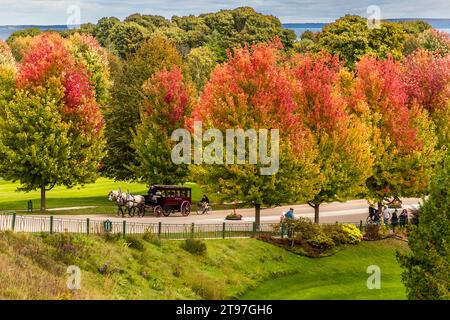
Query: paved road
{"type": "Point", "coordinates": [350, 211]}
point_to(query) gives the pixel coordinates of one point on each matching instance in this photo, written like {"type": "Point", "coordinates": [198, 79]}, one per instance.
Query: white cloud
{"type": "Point", "coordinates": [54, 11]}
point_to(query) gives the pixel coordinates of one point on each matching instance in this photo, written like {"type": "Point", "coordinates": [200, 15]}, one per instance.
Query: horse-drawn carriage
{"type": "Point", "coordinates": [164, 200]}
{"type": "Point", "coordinates": [161, 199]}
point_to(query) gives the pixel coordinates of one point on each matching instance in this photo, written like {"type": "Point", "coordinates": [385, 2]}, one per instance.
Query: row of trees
{"type": "Point", "coordinates": [344, 134]}
{"type": "Point", "coordinates": [370, 129]}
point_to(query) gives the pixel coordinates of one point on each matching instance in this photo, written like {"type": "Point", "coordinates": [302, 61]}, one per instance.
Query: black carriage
{"type": "Point", "coordinates": [165, 199]}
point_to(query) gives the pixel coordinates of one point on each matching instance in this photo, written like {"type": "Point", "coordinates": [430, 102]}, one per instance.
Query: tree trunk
{"type": "Point", "coordinates": [316, 213]}
{"type": "Point", "coordinates": [43, 199]}
{"type": "Point", "coordinates": [380, 208]}
{"type": "Point", "coordinates": [257, 215]}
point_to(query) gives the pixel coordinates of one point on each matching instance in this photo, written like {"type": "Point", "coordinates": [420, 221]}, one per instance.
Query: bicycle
{"type": "Point", "coordinates": [203, 207]}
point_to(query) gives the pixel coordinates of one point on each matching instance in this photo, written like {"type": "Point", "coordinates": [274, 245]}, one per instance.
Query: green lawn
{"type": "Point", "coordinates": [342, 276]}
{"type": "Point", "coordinates": [93, 194]}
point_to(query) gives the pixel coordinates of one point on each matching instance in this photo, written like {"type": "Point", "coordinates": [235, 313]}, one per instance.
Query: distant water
{"type": "Point", "coordinates": [5, 31]}
{"type": "Point", "coordinates": [299, 28]}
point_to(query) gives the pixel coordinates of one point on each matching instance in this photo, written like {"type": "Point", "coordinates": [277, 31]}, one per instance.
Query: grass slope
{"type": "Point", "coordinates": [34, 267]}
{"type": "Point", "coordinates": [341, 276]}
{"type": "Point", "coordinates": [93, 194]}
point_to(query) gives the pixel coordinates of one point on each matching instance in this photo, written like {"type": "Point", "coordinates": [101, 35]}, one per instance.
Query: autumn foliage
{"type": "Point", "coordinates": [168, 97]}
{"type": "Point", "coordinates": [253, 90]}
{"type": "Point", "coordinates": [427, 79]}
{"type": "Point", "coordinates": [48, 62]}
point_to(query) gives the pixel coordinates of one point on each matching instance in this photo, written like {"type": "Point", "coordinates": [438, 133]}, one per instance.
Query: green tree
{"type": "Point", "coordinates": [201, 62]}
{"type": "Point", "coordinates": [426, 268]}
{"type": "Point", "coordinates": [149, 22]}
{"type": "Point", "coordinates": [350, 38]}
{"type": "Point", "coordinates": [103, 30]}
{"type": "Point", "coordinates": [127, 99]}
{"type": "Point", "coordinates": [40, 150]}
{"type": "Point", "coordinates": [125, 38]}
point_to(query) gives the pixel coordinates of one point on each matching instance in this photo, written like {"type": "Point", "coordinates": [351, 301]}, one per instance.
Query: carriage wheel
{"type": "Point", "coordinates": [158, 211]}
{"type": "Point", "coordinates": [185, 208]}
{"type": "Point", "coordinates": [166, 212]}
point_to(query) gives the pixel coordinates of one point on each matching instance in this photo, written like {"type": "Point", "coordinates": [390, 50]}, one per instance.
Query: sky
{"type": "Point", "coordinates": [48, 12]}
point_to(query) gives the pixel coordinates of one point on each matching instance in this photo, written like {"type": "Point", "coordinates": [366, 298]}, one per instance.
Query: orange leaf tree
{"type": "Point", "coordinates": [252, 90]}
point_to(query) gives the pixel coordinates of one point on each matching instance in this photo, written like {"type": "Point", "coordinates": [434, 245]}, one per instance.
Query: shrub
{"type": "Point", "coordinates": [207, 288]}
{"type": "Point", "coordinates": [135, 243]}
{"type": "Point", "coordinates": [372, 232]}
{"type": "Point", "coordinates": [194, 246]}
{"type": "Point", "coordinates": [321, 241]}
{"type": "Point", "coordinates": [299, 228]}
{"type": "Point", "coordinates": [151, 238]}
{"type": "Point", "coordinates": [111, 237]}
{"type": "Point", "coordinates": [352, 234]}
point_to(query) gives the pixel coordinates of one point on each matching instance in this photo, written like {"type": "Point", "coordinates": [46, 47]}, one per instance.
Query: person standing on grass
{"type": "Point", "coordinates": [386, 215]}
{"type": "Point", "coordinates": [394, 220]}
{"type": "Point", "coordinates": [403, 217]}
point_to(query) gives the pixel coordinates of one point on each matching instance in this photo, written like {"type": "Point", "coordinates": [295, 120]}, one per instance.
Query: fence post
{"type": "Point", "coordinates": [223, 230]}
{"type": "Point", "coordinates": [87, 225]}
{"type": "Point", "coordinates": [51, 224]}
{"type": "Point", "coordinates": [360, 225]}
{"type": "Point", "coordinates": [192, 230]}
{"type": "Point", "coordinates": [254, 229]}
{"type": "Point", "coordinates": [159, 229]}
{"type": "Point", "coordinates": [13, 226]}
{"type": "Point", "coordinates": [124, 228]}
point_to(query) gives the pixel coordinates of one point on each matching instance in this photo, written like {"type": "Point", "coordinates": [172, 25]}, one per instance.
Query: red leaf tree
{"type": "Point", "coordinates": [341, 140]}
{"type": "Point", "coordinates": [402, 135]}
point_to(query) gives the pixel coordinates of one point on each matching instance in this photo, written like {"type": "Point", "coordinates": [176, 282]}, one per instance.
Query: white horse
{"type": "Point", "coordinates": [133, 202]}
{"type": "Point", "coordinates": [128, 201]}
{"type": "Point", "coordinates": [119, 198]}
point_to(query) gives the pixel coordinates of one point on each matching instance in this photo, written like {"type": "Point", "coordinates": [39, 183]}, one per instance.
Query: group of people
{"type": "Point", "coordinates": [396, 218]}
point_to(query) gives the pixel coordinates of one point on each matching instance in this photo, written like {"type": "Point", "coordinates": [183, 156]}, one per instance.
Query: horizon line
{"type": "Point", "coordinates": [324, 21]}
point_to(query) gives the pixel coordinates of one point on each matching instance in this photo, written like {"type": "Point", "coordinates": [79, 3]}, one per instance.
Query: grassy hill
{"type": "Point", "coordinates": [34, 267]}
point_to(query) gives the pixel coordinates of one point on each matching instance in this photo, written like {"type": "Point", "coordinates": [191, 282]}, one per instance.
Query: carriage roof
{"type": "Point", "coordinates": [169, 187]}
